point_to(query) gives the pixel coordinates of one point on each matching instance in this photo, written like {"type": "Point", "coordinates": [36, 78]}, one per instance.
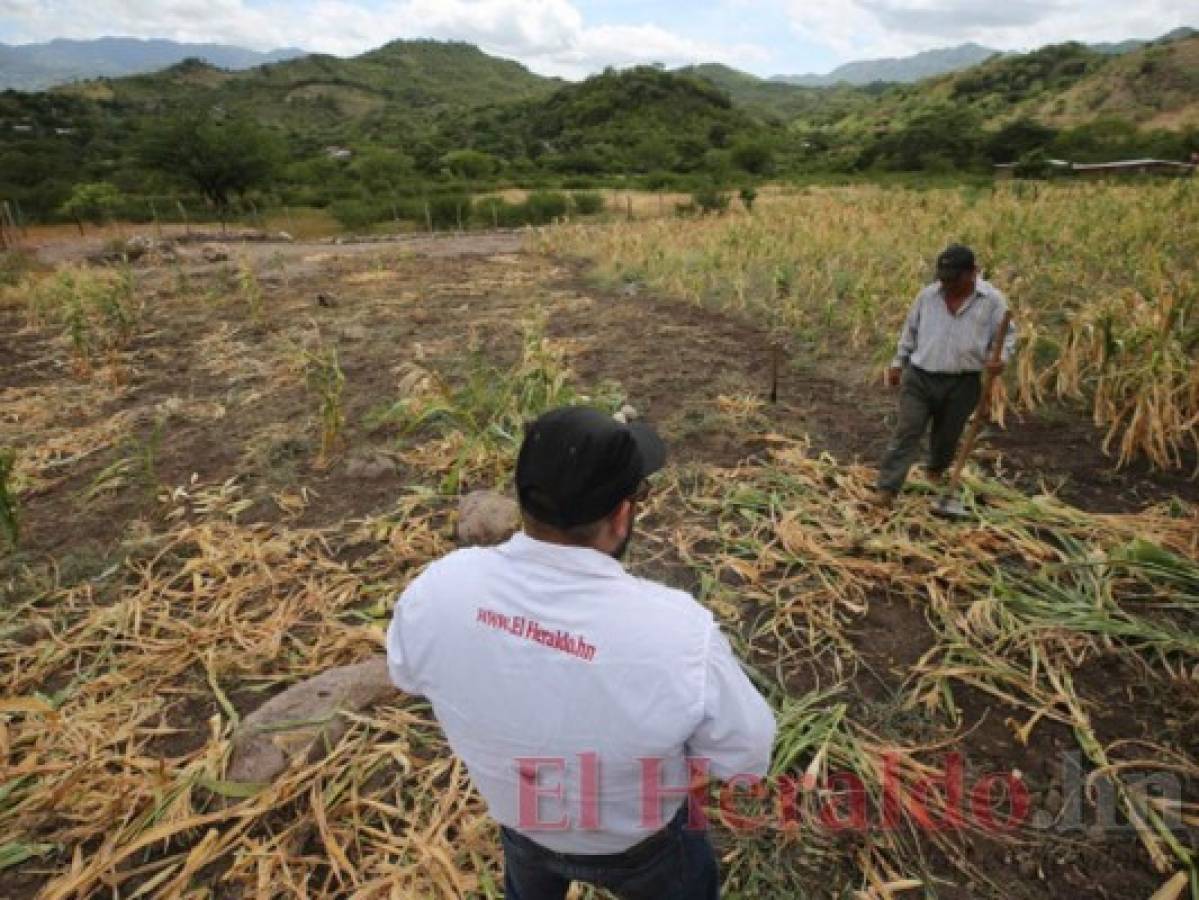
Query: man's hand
{"type": "Point", "coordinates": [893, 376]}
{"type": "Point", "coordinates": [996, 368]}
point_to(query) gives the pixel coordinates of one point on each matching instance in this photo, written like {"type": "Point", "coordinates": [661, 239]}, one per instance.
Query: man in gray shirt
{"type": "Point", "coordinates": [942, 350]}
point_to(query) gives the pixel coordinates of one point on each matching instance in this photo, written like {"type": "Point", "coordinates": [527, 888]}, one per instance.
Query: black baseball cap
{"type": "Point", "coordinates": [577, 463]}
{"type": "Point", "coordinates": [954, 260]}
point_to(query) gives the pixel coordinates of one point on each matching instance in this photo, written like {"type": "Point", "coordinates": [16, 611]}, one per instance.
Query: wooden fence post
{"type": "Point", "coordinates": [154, 215]}
{"type": "Point", "coordinates": [21, 224]}
{"type": "Point", "coordinates": [9, 223]}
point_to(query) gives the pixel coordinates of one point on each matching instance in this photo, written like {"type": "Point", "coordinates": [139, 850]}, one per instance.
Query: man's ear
{"type": "Point", "coordinates": [622, 518]}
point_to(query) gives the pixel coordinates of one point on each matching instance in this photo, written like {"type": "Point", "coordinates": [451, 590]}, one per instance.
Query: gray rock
{"type": "Point", "coordinates": [305, 721]}
{"type": "Point", "coordinates": [486, 518]}
{"type": "Point", "coordinates": [370, 467]}
{"type": "Point", "coordinates": [212, 253]}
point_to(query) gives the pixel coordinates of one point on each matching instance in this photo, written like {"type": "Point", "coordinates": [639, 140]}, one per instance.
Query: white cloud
{"type": "Point", "coordinates": [550, 36]}
{"type": "Point", "coordinates": [856, 29]}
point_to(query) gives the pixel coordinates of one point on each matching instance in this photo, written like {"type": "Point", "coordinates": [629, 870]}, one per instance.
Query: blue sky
{"type": "Point", "coordinates": [573, 38]}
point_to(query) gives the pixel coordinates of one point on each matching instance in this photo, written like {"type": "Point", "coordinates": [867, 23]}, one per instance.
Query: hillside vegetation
{"type": "Point", "coordinates": [421, 118]}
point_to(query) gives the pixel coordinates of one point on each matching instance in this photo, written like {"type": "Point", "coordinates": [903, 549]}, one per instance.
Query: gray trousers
{"type": "Point", "coordinates": [944, 400]}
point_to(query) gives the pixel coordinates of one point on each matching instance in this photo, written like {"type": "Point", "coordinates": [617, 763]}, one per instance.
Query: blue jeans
{"type": "Point", "coordinates": [676, 863]}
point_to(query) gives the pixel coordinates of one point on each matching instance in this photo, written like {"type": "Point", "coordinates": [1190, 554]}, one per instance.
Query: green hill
{"type": "Point", "coordinates": [1060, 85]}
{"type": "Point", "coordinates": [327, 94]}
{"type": "Point", "coordinates": [637, 120]}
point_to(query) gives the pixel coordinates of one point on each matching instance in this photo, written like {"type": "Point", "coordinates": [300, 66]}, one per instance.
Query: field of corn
{"type": "Point", "coordinates": [214, 480]}
{"type": "Point", "coordinates": [1102, 280]}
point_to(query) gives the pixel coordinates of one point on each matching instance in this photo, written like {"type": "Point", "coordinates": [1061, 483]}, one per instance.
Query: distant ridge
{"type": "Point", "coordinates": [904, 69]}
{"type": "Point", "coordinates": [930, 63]}
{"type": "Point", "coordinates": [36, 67]}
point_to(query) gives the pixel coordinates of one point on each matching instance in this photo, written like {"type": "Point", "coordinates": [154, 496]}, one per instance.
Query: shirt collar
{"type": "Point", "coordinates": [978, 292]}
{"type": "Point", "coordinates": [578, 560]}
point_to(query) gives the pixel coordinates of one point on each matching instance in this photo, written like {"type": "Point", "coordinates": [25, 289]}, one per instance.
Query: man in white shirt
{"type": "Point", "coordinates": [580, 697]}
{"type": "Point", "coordinates": [942, 350]}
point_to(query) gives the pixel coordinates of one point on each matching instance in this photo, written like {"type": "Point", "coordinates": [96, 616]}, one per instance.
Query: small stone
{"type": "Point", "coordinates": [486, 518]}
{"type": "Point", "coordinates": [304, 722]}
{"type": "Point", "coordinates": [621, 418]}
{"type": "Point", "coordinates": [355, 333]}
{"type": "Point", "coordinates": [370, 467]}
{"type": "Point", "coordinates": [630, 413]}
{"type": "Point", "coordinates": [284, 236]}
{"type": "Point", "coordinates": [212, 253]}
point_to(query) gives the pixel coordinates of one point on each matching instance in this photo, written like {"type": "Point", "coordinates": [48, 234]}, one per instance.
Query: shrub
{"type": "Point", "coordinates": [15, 265]}
{"type": "Point", "coordinates": [92, 202]}
{"type": "Point", "coordinates": [359, 213]}
{"type": "Point", "coordinates": [710, 200]}
{"type": "Point", "coordinates": [545, 206]}
{"type": "Point", "coordinates": [499, 213]}
{"type": "Point", "coordinates": [587, 203]}
{"type": "Point", "coordinates": [449, 210]}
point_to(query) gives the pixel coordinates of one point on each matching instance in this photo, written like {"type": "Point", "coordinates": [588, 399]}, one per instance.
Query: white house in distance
{"type": "Point", "coordinates": [1102, 170]}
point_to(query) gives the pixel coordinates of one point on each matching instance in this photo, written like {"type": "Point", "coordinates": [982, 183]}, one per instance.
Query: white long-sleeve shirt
{"type": "Point", "coordinates": [936, 340]}
{"type": "Point", "coordinates": [532, 650]}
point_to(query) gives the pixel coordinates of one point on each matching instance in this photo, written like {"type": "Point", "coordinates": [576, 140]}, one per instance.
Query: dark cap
{"type": "Point", "coordinates": [576, 464]}
{"type": "Point", "coordinates": [954, 260]}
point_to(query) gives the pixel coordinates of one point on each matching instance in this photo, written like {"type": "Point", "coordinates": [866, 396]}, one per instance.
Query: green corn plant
{"type": "Point", "coordinates": [80, 331]}
{"type": "Point", "coordinates": [113, 304]}
{"type": "Point", "coordinates": [138, 463]}
{"type": "Point", "coordinates": [251, 291]}
{"type": "Point", "coordinates": [183, 286]}
{"type": "Point", "coordinates": [10, 523]}
{"type": "Point", "coordinates": [326, 382]}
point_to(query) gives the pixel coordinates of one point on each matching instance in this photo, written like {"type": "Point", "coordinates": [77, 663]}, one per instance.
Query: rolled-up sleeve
{"type": "Point", "coordinates": [908, 336]}
{"type": "Point", "coordinates": [736, 733]}
{"type": "Point", "coordinates": [1009, 338]}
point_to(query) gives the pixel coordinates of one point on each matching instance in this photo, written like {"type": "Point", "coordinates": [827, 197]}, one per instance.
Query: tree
{"type": "Point", "coordinates": [752, 156]}
{"type": "Point", "coordinates": [383, 169]}
{"type": "Point", "coordinates": [222, 157]}
{"type": "Point", "coordinates": [1017, 139]}
{"type": "Point", "coordinates": [469, 163]}
{"type": "Point", "coordinates": [653, 153]}
{"type": "Point", "coordinates": [92, 201]}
